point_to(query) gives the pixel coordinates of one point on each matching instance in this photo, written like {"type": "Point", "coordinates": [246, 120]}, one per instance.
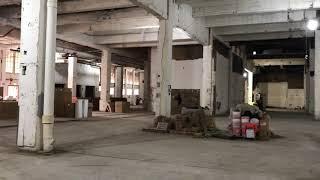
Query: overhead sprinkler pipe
{"type": "Point", "coordinates": [49, 82]}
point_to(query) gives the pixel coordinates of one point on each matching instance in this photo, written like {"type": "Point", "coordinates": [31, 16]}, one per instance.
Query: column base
{"type": "Point", "coordinates": [104, 106]}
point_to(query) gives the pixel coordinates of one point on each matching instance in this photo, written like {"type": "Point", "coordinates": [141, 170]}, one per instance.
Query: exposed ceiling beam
{"type": "Point", "coordinates": [247, 19]}
{"type": "Point", "coordinates": [203, 8]}
{"type": "Point", "coordinates": [193, 26]}
{"type": "Point", "coordinates": [76, 6]}
{"type": "Point", "coordinates": [158, 8]}
{"type": "Point", "coordinates": [101, 16]}
{"type": "Point", "coordinates": [260, 28]}
{"type": "Point", "coordinates": [266, 36]}
{"type": "Point", "coordinates": [9, 2]}
{"type": "Point", "coordinates": [111, 25]}
{"type": "Point", "coordinates": [279, 62]}
{"type": "Point", "coordinates": [136, 38]}
{"type": "Point", "coordinates": [152, 44]}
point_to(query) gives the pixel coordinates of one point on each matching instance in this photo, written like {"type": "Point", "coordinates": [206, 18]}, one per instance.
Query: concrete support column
{"type": "Point", "coordinates": [141, 84]}
{"type": "Point", "coordinates": [105, 80]}
{"type": "Point", "coordinates": [118, 82]}
{"type": "Point", "coordinates": [317, 76]}
{"type": "Point", "coordinates": [3, 74]}
{"type": "Point", "coordinates": [310, 83]}
{"type": "Point", "coordinates": [132, 92]}
{"type": "Point", "coordinates": [147, 86]}
{"type": "Point", "coordinates": [230, 95]}
{"type": "Point", "coordinates": [125, 82]}
{"type": "Point", "coordinates": [165, 55]}
{"type": "Point", "coordinates": [31, 78]}
{"type": "Point", "coordinates": [72, 74]}
{"type": "Point", "coordinates": [208, 78]}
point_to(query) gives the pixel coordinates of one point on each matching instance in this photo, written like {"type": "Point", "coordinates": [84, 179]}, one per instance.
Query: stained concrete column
{"type": "Point", "coordinates": [310, 83]}
{"type": "Point", "coordinates": [141, 84]}
{"type": "Point", "coordinates": [208, 78]}
{"type": "Point", "coordinates": [317, 76]}
{"type": "Point", "coordinates": [72, 74]}
{"type": "Point", "coordinates": [147, 86]}
{"type": "Point", "coordinates": [230, 74]}
{"type": "Point", "coordinates": [132, 92]}
{"type": "Point", "coordinates": [3, 74]}
{"type": "Point", "coordinates": [118, 82]}
{"type": "Point", "coordinates": [165, 55]}
{"type": "Point", "coordinates": [105, 80]}
{"type": "Point", "coordinates": [31, 78]}
{"type": "Point", "coordinates": [125, 82]}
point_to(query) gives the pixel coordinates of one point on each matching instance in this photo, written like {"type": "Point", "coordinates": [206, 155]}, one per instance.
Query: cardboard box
{"type": "Point", "coordinates": [63, 106]}
{"type": "Point", "coordinates": [9, 109]}
{"type": "Point", "coordinates": [122, 107]}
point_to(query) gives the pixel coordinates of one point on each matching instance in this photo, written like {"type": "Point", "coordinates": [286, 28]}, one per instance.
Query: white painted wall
{"type": "Point", "coordinates": [277, 94]}
{"type": "Point", "coordinates": [238, 89]}
{"type": "Point", "coordinates": [296, 98]}
{"type": "Point", "coordinates": [187, 74]}
{"type": "Point", "coordinates": [87, 75]}
{"type": "Point", "coordinates": [222, 85]}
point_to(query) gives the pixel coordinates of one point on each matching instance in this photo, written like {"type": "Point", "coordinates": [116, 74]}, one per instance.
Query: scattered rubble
{"type": "Point", "coordinates": [188, 122]}
{"type": "Point", "coordinates": [200, 123]}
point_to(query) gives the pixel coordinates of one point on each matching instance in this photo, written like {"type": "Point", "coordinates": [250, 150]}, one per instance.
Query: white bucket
{"type": "Point", "coordinates": [236, 115]}
{"type": "Point", "coordinates": [236, 123]}
{"type": "Point", "coordinates": [245, 119]}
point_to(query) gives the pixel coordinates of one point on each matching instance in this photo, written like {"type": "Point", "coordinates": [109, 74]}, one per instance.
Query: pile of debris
{"type": "Point", "coordinates": [190, 121]}
{"type": "Point", "coordinates": [246, 122]}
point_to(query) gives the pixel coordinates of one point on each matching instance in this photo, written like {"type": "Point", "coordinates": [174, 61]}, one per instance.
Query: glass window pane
{"type": "Point", "coordinates": [17, 63]}
{"type": "Point", "coordinates": [9, 62]}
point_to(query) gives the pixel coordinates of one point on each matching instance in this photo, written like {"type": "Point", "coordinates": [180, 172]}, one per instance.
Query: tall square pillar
{"type": "Point", "coordinates": [105, 80]}
{"type": "Point", "coordinates": [31, 79]}
{"type": "Point", "coordinates": [165, 55]}
{"type": "Point", "coordinates": [72, 74]}
{"type": "Point", "coordinates": [317, 76]}
{"type": "Point", "coordinates": [118, 82]}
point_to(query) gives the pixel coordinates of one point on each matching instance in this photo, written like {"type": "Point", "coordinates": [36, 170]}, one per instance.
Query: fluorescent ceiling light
{"type": "Point", "coordinates": [312, 24]}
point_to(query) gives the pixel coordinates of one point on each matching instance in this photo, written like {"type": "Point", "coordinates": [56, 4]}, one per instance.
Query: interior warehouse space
{"type": "Point", "coordinates": [159, 89]}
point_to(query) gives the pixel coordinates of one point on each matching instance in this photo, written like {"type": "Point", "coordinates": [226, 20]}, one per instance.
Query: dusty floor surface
{"type": "Point", "coordinates": [115, 148]}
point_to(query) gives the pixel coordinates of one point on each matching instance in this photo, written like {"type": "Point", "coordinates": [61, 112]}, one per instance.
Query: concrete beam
{"type": "Point", "coordinates": [203, 8]}
{"type": "Point", "coordinates": [279, 62]}
{"type": "Point", "coordinates": [152, 44]}
{"type": "Point", "coordinates": [91, 5]}
{"type": "Point", "coordinates": [158, 8]}
{"type": "Point", "coordinates": [195, 27]}
{"type": "Point", "coordinates": [260, 28]}
{"type": "Point", "coordinates": [102, 16]}
{"type": "Point", "coordinates": [267, 36]}
{"type": "Point", "coordinates": [136, 38]}
{"type": "Point", "coordinates": [111, 25]}
{"type": "Point", "coordinates": [264, 18]}
{"type": "Point", "coordinates": [129, 38]}
{"type": "Point", "coordinates": [10, 2]}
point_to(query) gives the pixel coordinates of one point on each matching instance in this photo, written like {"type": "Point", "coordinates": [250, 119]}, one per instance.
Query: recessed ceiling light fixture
{"type": "Point", "coordinates": [313, 24]}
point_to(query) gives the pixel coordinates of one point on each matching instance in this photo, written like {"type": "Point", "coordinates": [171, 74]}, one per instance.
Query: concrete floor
{"type": "Point", "coordinates": [115, 148]}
